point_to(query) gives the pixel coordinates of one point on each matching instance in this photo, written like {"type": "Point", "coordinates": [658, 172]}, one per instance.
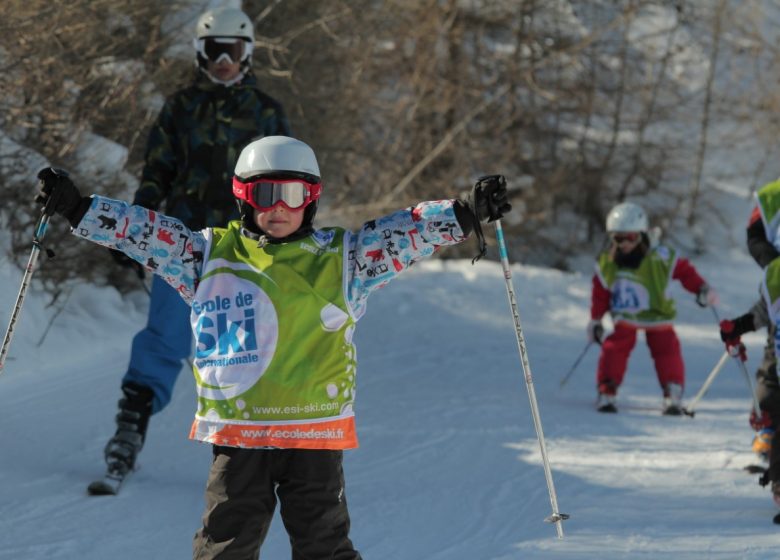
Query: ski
{"type": "Point", "coordinates": [109, 485]}
{"type": "Point", "coordinates": [776, 499]}
{"type": "Point", "coordinates": [754, 469]}
{"type": "Point", "coordinates": [672, 410]}
{"type": "Point", "coordinates": [762, 470]}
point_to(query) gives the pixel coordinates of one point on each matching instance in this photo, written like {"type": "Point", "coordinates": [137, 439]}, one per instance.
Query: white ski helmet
{"type": "Point", "coordinates": [225, 22]}
{"type": "Point", "coordinates": [224, 32]}
{"type": "Point", "coordinates": [627, 216]}
{"type": "Point", "coordinates": [278, 155]}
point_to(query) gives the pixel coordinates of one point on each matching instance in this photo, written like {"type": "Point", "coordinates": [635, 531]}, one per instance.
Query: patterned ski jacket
{"type": "Point", "coordinates": [274, 361]}
{"type": "Point", "coordinates": [194, 145]}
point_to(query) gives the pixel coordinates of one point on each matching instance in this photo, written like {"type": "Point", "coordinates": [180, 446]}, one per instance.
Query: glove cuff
{"type": "Point", "coordinates": [743, 324]}
{"type": "Point", "coordinates": [75, 215]}
{"type": "Point", "coordinates": [465, 216]}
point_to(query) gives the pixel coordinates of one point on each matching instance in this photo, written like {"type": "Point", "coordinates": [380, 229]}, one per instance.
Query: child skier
{"type": "Point", "coordinates": [762, 236]}
{"type": "Point", "coordinates": [631, 283]}
{"type": "Point", "coordinates": [274, 306]}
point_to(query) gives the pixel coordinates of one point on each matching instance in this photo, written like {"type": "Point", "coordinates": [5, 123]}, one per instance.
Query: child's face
{"type": "Point", "coordinates": [626, 241]}
{"type": "Point", "coordinates": [279, 221]}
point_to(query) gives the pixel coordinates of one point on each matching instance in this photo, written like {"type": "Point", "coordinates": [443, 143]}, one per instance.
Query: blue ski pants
{"type": "Point", "coordinates": [159, 350]}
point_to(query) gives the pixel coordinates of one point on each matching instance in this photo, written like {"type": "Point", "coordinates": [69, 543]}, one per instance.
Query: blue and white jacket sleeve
{"type": "Point", "coordinates": [163, 245]}
{"type": "Point", "coordinates": [383, 248]}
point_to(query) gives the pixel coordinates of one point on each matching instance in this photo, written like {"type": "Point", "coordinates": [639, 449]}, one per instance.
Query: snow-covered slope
{"type": "Point", "coordinates": [449, 465]}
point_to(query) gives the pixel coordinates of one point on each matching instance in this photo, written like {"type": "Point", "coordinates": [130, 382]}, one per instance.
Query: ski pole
{"type": "Point", "coordinates": [556, 516]}
{"type": "Point", "coordinates": [707, 382]}
{"type": "Point", "coordinates": [756, 405]}
{"type": "Point", "coordinates": [40, 232]}
{"type": "Point", "coordinates": [734, 352]}
{"type": "Point", "coordinates": [576, 363]}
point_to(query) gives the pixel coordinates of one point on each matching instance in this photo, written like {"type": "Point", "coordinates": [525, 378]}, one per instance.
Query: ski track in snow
{"type": "Point", "coordinates": [449, 466]}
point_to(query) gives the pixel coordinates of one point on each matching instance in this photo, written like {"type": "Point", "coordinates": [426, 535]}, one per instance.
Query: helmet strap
{"type": "Point", "coordinates": [248, 221]}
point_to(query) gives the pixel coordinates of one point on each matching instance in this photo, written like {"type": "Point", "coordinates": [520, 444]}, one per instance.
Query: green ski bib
{"type": "Point", "coordinates": [639, 296]}
{"type": "Point", "coordinates": [274, 358]}
{"type": "Point", "coordinates": [771, 293]}
{"type": "Point", "coordinates": [768, 198]}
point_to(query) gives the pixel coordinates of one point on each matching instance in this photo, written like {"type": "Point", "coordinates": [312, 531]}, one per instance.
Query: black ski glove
{"type": "Point", "coordinates": [731, 330]}
{"type": "Point", "coordinates": [595, 331]}
{"type": "Point", "coordinates": [487, 202]}
{"type": "Point", "coordinates": [58, 195]}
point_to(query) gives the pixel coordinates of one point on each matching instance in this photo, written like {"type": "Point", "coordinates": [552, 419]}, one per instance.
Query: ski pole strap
{"type": "Point", "coordinates": [481, 243]}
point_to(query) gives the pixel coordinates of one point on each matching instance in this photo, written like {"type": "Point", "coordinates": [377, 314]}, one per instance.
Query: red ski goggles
{"type": "Point", "coordinates": [264, 194]}
{"type": "Point", "coordinates": [622, 237]}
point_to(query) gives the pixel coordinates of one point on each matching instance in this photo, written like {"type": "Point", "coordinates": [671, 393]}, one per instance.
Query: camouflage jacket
{"type": "Point", "coordinates": [194, 144]}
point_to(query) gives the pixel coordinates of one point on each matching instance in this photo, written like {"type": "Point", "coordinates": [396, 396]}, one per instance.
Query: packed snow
{"type": "Point", "coordinates": [449, 466]}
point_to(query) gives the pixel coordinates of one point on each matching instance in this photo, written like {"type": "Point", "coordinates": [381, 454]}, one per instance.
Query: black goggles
{"type": "Point", "coordinates": [265, 194]}
{"type": "Point", "coordinates": [215, 48]}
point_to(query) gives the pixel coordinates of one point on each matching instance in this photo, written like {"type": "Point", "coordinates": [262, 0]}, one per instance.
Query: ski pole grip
{"type": "Point", "coordinates": [53, 197]}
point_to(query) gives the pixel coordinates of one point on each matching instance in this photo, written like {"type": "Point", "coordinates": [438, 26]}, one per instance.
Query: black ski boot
{"type": "Point", "coordinates": [135, 408]}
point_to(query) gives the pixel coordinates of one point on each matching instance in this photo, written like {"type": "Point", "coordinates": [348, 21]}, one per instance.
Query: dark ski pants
{"type": "Point", "coordinates": [768, 392]}
{"type": "Point", "coordinates": [241, 495]}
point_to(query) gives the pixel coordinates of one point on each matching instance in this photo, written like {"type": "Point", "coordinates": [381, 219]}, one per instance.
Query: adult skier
{"type": "Point", "coordinates": [190, 154]}
{"type": "Point", "coordinates": [274, 304]}
{"type": "Point", "coordinates": [631, 283]}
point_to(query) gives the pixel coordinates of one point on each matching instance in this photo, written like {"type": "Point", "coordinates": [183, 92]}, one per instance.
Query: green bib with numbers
{"type": "Point", "coordinates": [639, 295]}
